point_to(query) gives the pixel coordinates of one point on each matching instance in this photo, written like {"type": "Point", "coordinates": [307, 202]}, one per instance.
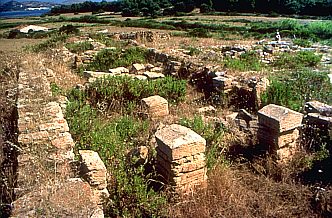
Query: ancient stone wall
{"type": "Point", "coordinates": [46, 158]}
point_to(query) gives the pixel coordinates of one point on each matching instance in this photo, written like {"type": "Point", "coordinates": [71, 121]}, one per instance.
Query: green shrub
{"type": "Point", "coordinates": [210, 133]}
{"type": "Point", "coordinates": [246, 62]}
{"type": "Point", "coordinates": [302, 42]}
{"type": "Point", "coordinates": [79, 47]}
{"type": "Point", "coordinates": [298, 60]}
{"type": "Point", "coordinates": [56, 90]}
{"type": "Point", "coordinates": [131, 194]}
{"type": "Point", "coordinates": [69, 29]}
{"type": "Point", "coordinates": [111, 58]}
{"type": "Point", "coordinates": [294, 89]}
{"type": "Point", "coordinates": [124, 91]}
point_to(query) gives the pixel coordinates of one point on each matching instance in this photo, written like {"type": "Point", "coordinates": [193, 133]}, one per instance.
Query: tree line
{"type": "Point", "coordinates": [171, 7]}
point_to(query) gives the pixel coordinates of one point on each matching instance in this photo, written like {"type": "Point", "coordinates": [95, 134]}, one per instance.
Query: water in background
{"type": "Point", "coordinates": [16, 14]}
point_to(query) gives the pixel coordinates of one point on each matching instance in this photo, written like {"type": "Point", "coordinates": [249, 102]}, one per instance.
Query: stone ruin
{"type": "Point", "coordinates": [181, 158]}
{"type": "Point", "coordinates": [155, 106]}
{"type": "Point", "coordinates": [93, 170]}
{"type": "Point", "coordinates": [279, 130]}
{"type": "Point", "coordinates": [46, 174]}
{"type": "Point", "coordinates": [141, 36]}
{"type": "Point", "coordinates": [318, 123]}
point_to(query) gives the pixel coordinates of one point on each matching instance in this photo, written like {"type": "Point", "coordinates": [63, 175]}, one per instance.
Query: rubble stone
{"type": "Point", "coordinates": [155, 106]}
{"type": "Point", "coordinates": [137, 68]}
{"type": "Point", "coordinates": [153, 75]}
{"type": "Point", "coordinates": [119, 70]}
{"type": "Point", "coordinates": [318, 107]}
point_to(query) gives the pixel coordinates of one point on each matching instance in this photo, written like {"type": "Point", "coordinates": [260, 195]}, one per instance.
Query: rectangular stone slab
{"type": "Point", "coordinates": [177, 142]}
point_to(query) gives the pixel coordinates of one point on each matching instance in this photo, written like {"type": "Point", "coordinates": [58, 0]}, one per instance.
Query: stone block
{"type": "Point", "coordinates": [180, 157]}
{"type": "Point", "coordinates": [137, 68]}
{"type": "Point", "coordinates": [155, 106]}
{"type": "Point", "coordinates": [153, 75]}
{"type": "Point", "coordinates": [119, 70]}
{"type": "Point", "coordinates": [221, 83]}
{"type": "Point", "coordinates": [178, 141]}
{"type": "Point", "coordinates": [93, 169]}
{"type": "Point", "coordinates": [208, 110]}
{"type": "Point", "coordinates": [278, 118]}
{"type": "Point", "coordinates": [318, 107]}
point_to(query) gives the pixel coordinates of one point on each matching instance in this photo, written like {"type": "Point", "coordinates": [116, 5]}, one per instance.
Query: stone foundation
{"type": "Point", "coordinates": [279, 130]}
{"type": "Point", "coordinates": [181, 158]}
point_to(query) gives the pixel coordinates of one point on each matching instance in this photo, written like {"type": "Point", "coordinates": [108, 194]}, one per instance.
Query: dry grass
{"type": "Point", "coordinates": [63, 75]}
{"type": "Point", "coordinates": [9, 65]}
{"type": "Point", "coordinates": [240, 193]}
{"type": "Point", "coordinates": [15, 45]}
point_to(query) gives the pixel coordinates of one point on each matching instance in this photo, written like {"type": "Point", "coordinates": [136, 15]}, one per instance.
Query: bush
{"type": "Point", "coordinates": [125, 91]}
{"type": "Point", "coordinates": [199, 32]}
{"type": "Point", "coordinates": [131, 194]}
{"type": "Point", "coordinates": [302, 42]}
{"type": "Point", "coordinates": [52, 42]}
{"type": "Point", "coordinates": [296, 88]}
{"type": "Point", "coordinates": [69, 29]}
{"type": "Point", "coordinates": [111, 58]}
{"type": "Point", "coordinates": [246, 62]}
{"type": "Point", "coordinates": [297, 61]}
{"type": "Point", "coordinates": [79, 47]}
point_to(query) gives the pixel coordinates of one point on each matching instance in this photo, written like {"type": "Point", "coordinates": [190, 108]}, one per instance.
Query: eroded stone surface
{"type": "Point", "coordinates": [155, 106]}
{"type": "Point", "coordinates": [180, 157]}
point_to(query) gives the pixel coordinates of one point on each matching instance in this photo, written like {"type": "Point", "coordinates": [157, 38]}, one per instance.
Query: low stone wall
{"type": "Point", "coordinates": [45, 160]}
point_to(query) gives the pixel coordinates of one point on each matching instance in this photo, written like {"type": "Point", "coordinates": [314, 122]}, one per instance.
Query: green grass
{"type": "Point", "coordinates": [292, 90]}
{"type": "Point", "coordinates": [52, 42]}
{"type": "Point", "coordinates": [126, 92]}
{"type": "Point", "coordinates": [79, 47]}
{"type": "Point", "coordinates": [211, 134]}
{"type": "Point", "coordinates": [298, 60]}
{"type": "Point", "coordinates": [111, 58]}
{"type": "Point", "coordinates": [249, 61]}
{"type": "Point", "coordinates": [112, 138]}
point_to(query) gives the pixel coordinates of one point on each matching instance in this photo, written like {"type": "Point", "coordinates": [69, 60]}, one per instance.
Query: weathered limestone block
{"type": "Point", "coordinates": [180, 157]}
{"type": "Point", "coordinates": [278, 118]}
{"type": "Point", "coordinates": [153, 75]}
{"type": "Point", "coordinates": [259, 88]}
{"type": "Point", "coordinates": [279, 129]}
{"type": "Point", "coordinates": [137, 68]}
{"type": "Point", "coordinates": [93, 75]}
{"type": "Point", "coordinates": [93, 168]}
{"type": "Point", "coordinates": [207, 110]}
{"type": "Point", "coordinates": [318, 107]}
{"type": "Point", "coordinates": [119, 70]}
{"type": "Point", "coordinates": [221, 83]}
{"type": "Point", "coordinates": [155, 106]}
{"type": "Point", "coordinates": [94, 172]}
